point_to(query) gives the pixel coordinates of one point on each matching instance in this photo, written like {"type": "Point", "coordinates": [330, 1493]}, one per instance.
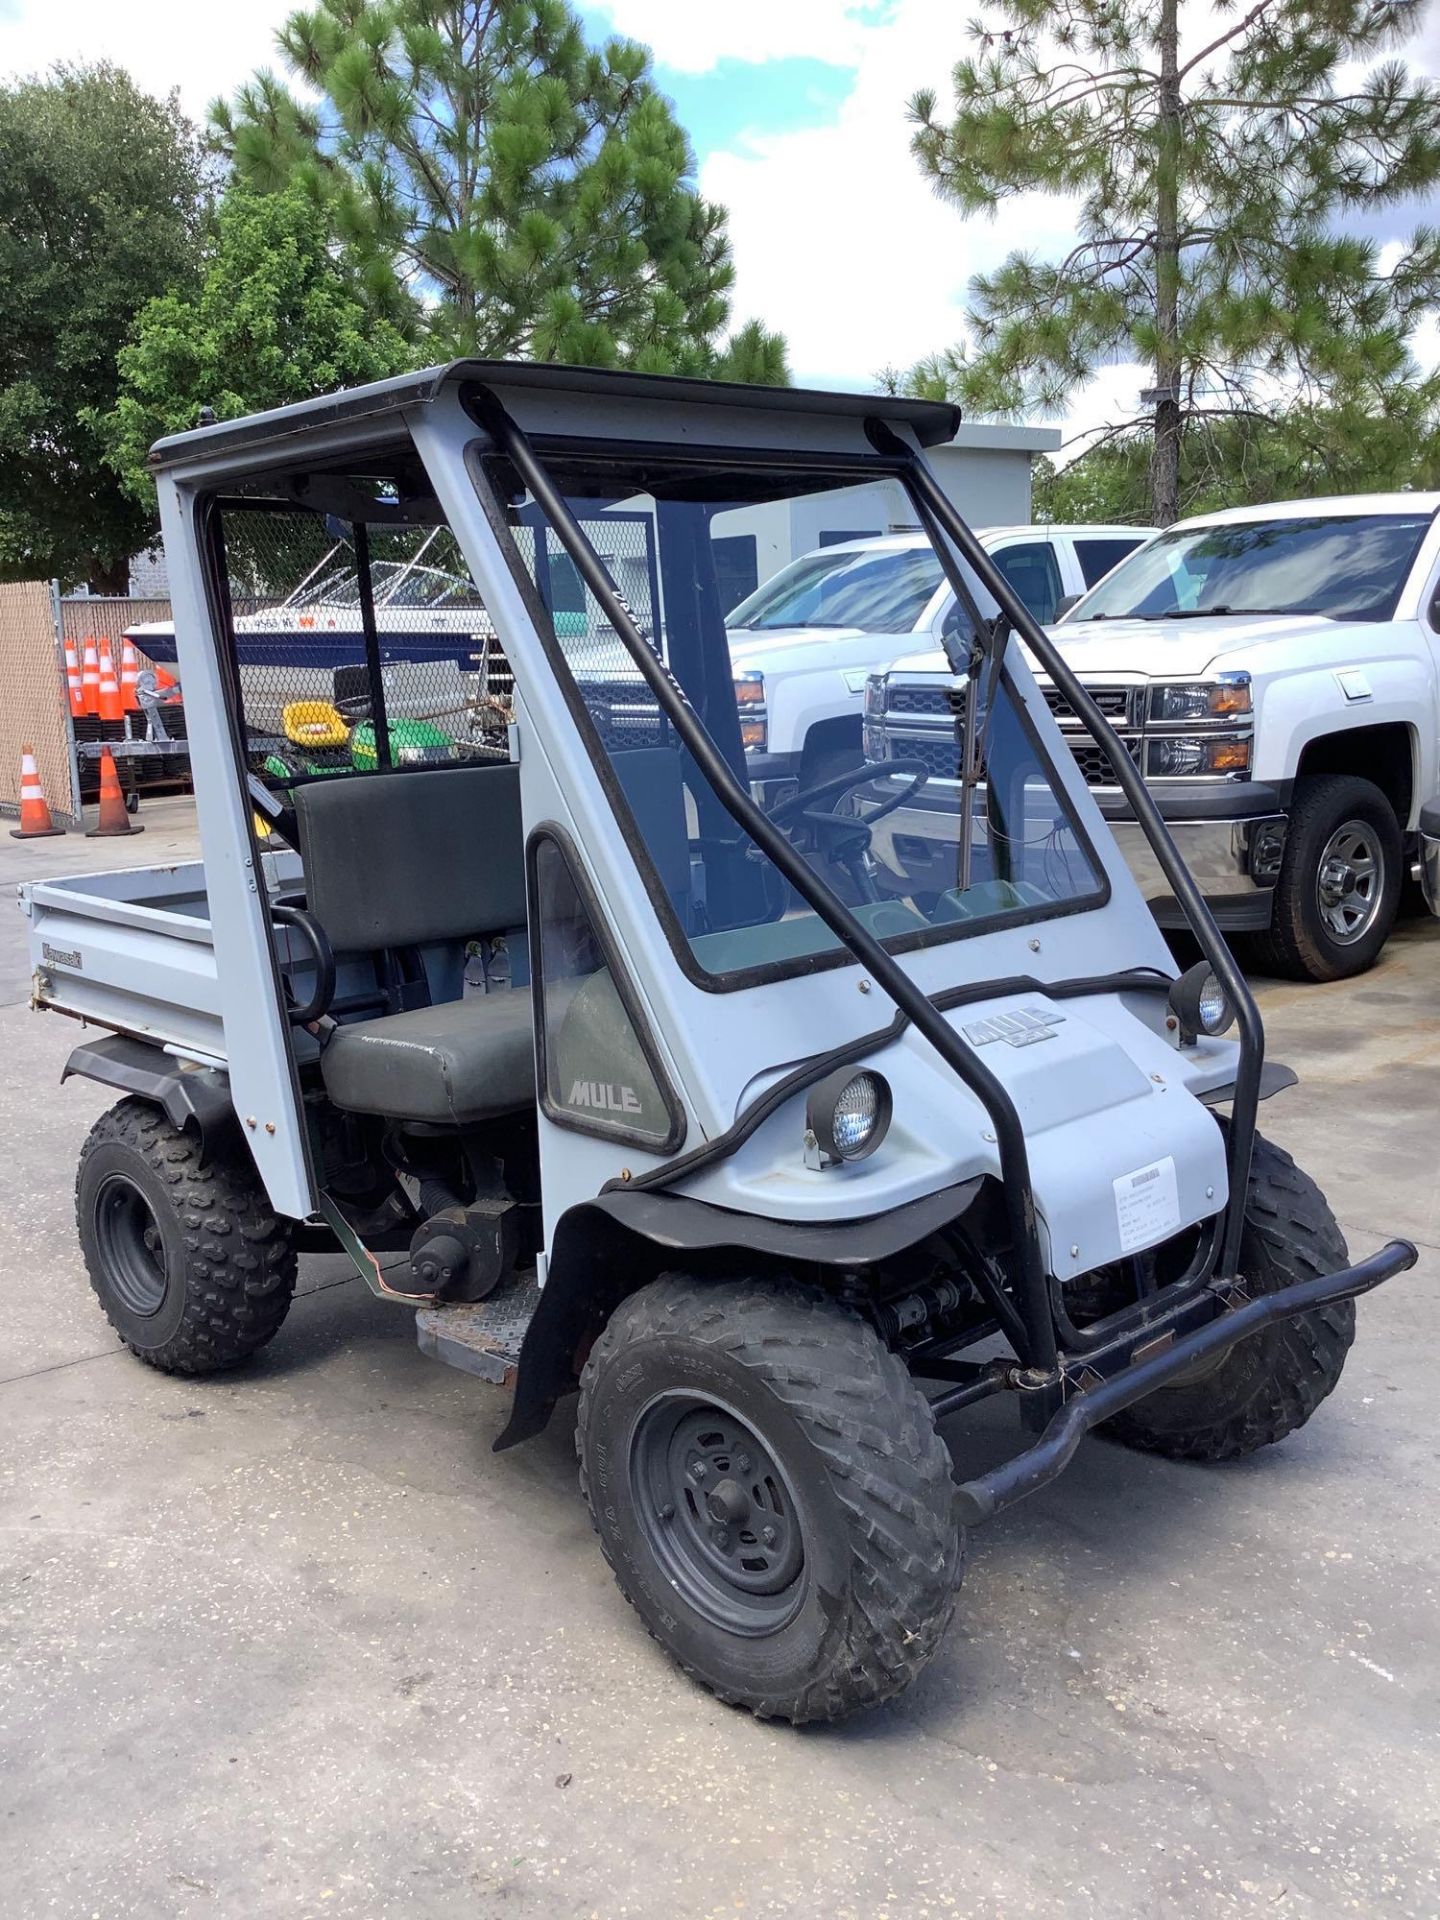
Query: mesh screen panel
{"type": "Point", "coordinates": [312, 700]}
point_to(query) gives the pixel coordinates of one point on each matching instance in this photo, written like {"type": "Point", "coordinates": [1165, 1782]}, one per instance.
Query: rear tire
{"type": "Point", "coordinates": [194, 1268]}
{"type": "Point", "coordinates": [771, 1494]}
{"type": "Point", "coordinates": [1339, 886]}
{"type": "Point", "coordinates": [1269, 1385]}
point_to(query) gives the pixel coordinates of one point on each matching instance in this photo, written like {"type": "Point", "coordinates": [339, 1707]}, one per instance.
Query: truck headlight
{"type": "Point", "coordinates": [750, 699]}
{"type": "Point", "coordinates": [1181, 754]}
{"type": "Point", "coordinates": [1207, 700]}
{"type": "Point", "coordinates": [846, 1116]}
{"type": "Point", "coordinates": [1199, 1004]}
{"type": "Point", "coordinates": [875, 697]}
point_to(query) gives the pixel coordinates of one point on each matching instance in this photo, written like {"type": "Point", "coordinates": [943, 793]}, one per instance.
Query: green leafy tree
{"type": "Point", "coordinates": [101, 196]}
{"type": "Point", "coordinates": [533, 195]}
{"type": "Point", "coordinates": [277, 318]}
{"type": "Point", "coordinates": [1214, 152]}
{"type": "Point", "coordinates": [1308, 450]}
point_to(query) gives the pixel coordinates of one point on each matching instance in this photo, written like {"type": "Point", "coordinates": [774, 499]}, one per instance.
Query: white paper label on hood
{"type": "Point", "coordinates": [1147, 1205]}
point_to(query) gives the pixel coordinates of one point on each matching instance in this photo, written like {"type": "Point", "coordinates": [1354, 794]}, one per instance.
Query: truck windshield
{"type": "Point", "coordinates": [1338, 567]}
{"type": "Point", "coordinates": [918, 856]}
{"type": "Point", "coordinates": [878, 590]}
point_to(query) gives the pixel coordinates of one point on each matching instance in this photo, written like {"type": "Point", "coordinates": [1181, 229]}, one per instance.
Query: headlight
{"type": "Point", "coordinates": [875, 697]}
{"type": "Point", "coordinates": [1229, 753]}
{"type": "Point", "coordinates": [846, 1117]}
{"type": "Point", "coordinates": [1209, 700]}
{"type": "Point", "coordinates": [1199, 1004]}
{"type": "Point", "coordinates": [750, 698]}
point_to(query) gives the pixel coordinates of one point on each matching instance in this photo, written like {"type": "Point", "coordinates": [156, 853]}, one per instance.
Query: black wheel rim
{"type": "Point", "coordinates": [718, 1513]}
{"type": "Point", "coordinates": [131, 1246]}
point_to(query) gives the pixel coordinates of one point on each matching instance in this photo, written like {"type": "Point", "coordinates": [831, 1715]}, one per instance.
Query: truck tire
{"type": "Point", "coordinates": [1269, 1385]}
{"type": "Point", "coordinates": [192, 1265]}
{"type": "Point", "coordinates": [1339, 886]}
{"type": "Point", "coordinates": [770, 1493]}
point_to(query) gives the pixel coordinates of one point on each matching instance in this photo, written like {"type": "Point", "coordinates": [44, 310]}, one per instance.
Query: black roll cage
{"type": "Point", "coordinates": [945, 526]}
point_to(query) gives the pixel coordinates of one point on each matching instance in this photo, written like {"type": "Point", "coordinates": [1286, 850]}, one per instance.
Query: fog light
{"type": "Point", "coordinates": [1199, 1004]}
{"type": "Point", "coordinates": [846, 1117]}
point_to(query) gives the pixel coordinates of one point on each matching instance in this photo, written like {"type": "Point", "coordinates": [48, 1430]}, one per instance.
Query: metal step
{"type": "Point", "coordinates": [482, 1338]}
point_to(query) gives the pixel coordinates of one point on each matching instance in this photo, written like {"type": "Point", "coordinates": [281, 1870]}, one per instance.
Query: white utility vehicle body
{"type": "Point", "coordinates": [1274, 672]}
{"type": "Point", "coordinates": [805, 642]}
{"type": "Point", "coordinates": [734, 1121]}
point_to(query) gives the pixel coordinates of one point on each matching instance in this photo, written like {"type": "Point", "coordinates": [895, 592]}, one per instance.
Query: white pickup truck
{"type": "Point", "coordinates": [1274, 672]}
{"type": "Point", "coordinates": [804, 643]}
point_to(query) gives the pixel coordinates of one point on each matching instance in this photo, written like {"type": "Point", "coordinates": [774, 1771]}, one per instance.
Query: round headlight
{"type": "Point", "coordinates": [847, 1114]}
{"type": "Point", "coordinates": [1200, 1004]}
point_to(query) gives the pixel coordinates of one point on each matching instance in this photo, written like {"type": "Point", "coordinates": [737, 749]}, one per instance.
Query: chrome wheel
{"type": "Point", "coordinates": [1350, 884]}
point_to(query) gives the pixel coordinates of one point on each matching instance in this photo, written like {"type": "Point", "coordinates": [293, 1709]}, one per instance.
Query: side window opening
{"type": "Point", "coordinates": [1034, 573]}
{"type": "Point", "coordinates": [597, 1069]}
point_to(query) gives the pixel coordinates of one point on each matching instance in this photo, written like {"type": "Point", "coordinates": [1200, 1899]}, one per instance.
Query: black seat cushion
{"type": "Point", "coordinates": [464, 1060]}
{"type": "Point", "coordinates": [399, 859]}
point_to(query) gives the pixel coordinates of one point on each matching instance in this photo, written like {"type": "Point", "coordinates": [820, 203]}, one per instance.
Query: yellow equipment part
{"type": "Point", "coordinates": [314, 723]}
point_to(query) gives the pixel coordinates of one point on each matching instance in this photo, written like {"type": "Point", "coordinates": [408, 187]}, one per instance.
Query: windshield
{"type": "Point", "coordinates": [1340, 567]}
{"type": "Point", "coordinates": [919, 857]}
{"type": "Point", "coordinates": [878, 590]}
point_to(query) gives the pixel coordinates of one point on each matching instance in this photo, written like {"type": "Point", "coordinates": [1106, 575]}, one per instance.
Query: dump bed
{"type": "Point", "coordinates": [133, 950]}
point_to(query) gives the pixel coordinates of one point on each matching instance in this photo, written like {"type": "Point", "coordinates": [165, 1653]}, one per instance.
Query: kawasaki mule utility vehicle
{"type": "Point", "coordinates": [776, 1135]}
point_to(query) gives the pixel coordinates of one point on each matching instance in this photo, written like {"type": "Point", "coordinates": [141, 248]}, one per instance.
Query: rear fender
{"type": "Point", "coordinates": [192, 1098]}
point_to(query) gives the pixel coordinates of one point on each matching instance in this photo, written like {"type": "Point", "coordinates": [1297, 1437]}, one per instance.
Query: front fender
{"type": "Point", "coordinates": [608, 1248]}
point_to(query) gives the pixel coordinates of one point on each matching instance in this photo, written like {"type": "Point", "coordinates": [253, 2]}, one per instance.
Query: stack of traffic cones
{"type": "Point", "coordinates": [113, 817]}
{"type": "Point", "coordinates": [112, 707]}
{"type": "Point", "coordinates": [35, 821]}
{"type": "Point", "coordinates": [90, 679]}
{"type": "Point", "coordinates": [129, 675]}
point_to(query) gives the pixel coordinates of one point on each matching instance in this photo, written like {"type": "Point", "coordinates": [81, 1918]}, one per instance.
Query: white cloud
{"type": "Point", "coordinates": [203, 50]}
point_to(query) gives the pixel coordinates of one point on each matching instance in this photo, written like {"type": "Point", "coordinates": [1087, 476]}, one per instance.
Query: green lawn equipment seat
{"type": "Point", "coordinates": [398, 860]}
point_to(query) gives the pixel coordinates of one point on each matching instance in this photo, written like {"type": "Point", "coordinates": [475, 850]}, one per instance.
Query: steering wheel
{"type": "Point", "coordinates": [843, 838]}
{"type": "Point", "coordinates": [800, 804]}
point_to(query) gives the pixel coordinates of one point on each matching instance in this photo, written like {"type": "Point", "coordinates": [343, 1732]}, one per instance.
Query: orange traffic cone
{"type": "Point", "coordinates": [35, 821]}
{"type": "Point", "coordinates": [90, 680]}
{"type": "Point", "coordinates": [113, 817]}
{"type": "Point", "coordinates": [73, 683]}
{"type": "Point", "coordinates": [111, 706]}
{"type": "Point", "coordinates": [166, 682]}
{"type": "Point", "coordinates": [129, 674]}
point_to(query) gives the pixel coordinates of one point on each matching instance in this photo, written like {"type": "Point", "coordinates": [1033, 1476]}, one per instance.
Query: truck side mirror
{"type": "Point", "coordinates": [1065, 603]}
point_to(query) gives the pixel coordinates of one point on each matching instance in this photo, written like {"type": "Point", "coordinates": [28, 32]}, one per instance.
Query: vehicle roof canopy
{"type": "Point", "coordinates": [932, 422]}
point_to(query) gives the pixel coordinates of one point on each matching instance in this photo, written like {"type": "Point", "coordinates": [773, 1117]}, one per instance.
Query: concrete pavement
{"type": "Point", "coordinates": [293, 1642]}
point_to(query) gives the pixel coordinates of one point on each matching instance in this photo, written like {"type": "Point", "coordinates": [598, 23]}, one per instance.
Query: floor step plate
{"type": "Point", "coordinates": [483, 1338]}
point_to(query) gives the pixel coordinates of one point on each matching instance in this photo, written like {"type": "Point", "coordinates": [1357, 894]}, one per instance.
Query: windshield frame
{"type": "Point", "coordinates": [482, 461]}
{"type": "Point", "coordinates": [1383, 612]}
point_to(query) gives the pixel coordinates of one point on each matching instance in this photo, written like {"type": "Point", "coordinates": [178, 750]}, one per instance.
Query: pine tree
{"type": "Point", "coordinates": [1215, 152]}
{"type": "Point", "coordinates": [526, 194]}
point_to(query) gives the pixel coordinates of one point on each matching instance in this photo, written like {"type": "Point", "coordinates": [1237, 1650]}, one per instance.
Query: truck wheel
{"type": "Point", "coordinates": [193, 1267]}
{"type": "Point", "coordinates": [1339, 885]}
{"type": "Point", "coordinates": [771, 1494]}
{"type": "Point", "coordinates": [1268, 1385]}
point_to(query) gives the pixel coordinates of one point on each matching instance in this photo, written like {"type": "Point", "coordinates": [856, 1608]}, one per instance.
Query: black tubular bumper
{"type": "Point", "coordinates": [978, 1499]}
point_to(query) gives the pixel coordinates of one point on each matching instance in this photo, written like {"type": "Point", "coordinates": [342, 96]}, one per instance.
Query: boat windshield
{"type": "Point", "coordinates": [920, 856]}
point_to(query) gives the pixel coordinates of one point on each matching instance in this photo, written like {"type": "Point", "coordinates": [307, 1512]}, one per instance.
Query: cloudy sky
{"type": "Point", "coordinates": [797, 112]}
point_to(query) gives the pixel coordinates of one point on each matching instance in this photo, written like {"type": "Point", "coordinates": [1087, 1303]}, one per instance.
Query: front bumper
{"type": "Point", "coordinates": [1232, 838]}
{"type": "Point", "coordinates": [1088, 1405]}
{"type": "Point", "coordinates": [1430, 855]}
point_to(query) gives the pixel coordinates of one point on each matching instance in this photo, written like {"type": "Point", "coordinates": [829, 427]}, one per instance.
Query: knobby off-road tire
{"type": "Point", "coordinates": [1341, 812]}
{"type": "Point", "coordinates": [1270, 1384]}
{"type": "Point", "coordinates": [193, 1267]}
{"type": "Point", "coordinates": [854, 1557]}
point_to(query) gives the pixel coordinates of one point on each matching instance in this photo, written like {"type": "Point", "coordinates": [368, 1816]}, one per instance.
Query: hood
{"type": "Point", "coordinates": [750, 649]}
{"type": "Point", "coordinates": [1190, 649]}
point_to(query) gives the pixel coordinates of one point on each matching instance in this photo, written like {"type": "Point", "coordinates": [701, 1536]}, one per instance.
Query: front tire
{"type": "Point", "coordinates": [192, 1265]}
{"type": "Point", "coordinates": [1270, 1384]}
{"type": "Point", "coordinates": [1339, 887]}
{"type": "Point", "coordinates": [771, 1494]}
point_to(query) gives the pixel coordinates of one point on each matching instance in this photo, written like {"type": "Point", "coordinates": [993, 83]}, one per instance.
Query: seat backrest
{"type": "Point", "coordinates": [399, 859]}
